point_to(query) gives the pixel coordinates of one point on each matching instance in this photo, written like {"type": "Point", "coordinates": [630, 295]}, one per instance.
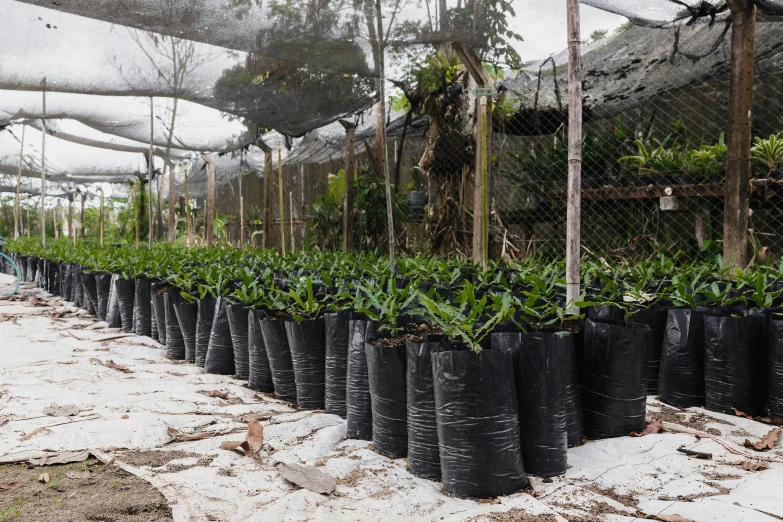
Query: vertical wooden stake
{"type": "Point", "coordinates": [241, 215]}
{"type": "Point", "coordinates": [266, 211]}
{"type": "Point", "coordinates": [210, 202]}
{"type": "Point", "coordinates": [43, 168]}
{"type": "Point", "coordinates": [100, 220]}
{"type": "Point", "coordinates": [573, 217]}
{"type": "Point", "coordinates": [348, 189]}
{"type": "Point", "coordinates": [150, 167]}
{"type": "Point", "coordinates": [138, 187]}
{"type": "Point", "coordinates": [81, 221]}
{"type": "Point", "coordinates": [280, 190]}
{"type": "Point", "coordinates": [737, 199]}
{"type": "Point", "coordinates": [172, 201]}
{"type": "Point", "coordinates": [187, 210]}
{"type": "Point", "coordinates": [291, 219]}
{"type": "Point", "coordinates": [17, 204]}
{"type": "Point", "coordinates": [71, 222]}
{"type": "Point", "coordinates": [381, 132]}
{"type": "Point", "coordinates": [28, 219]}
{"type": "Point", "coordinates": [302, 202]}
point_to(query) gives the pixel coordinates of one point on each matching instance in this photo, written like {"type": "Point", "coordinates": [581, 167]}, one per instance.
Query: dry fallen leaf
{"type": "Point", "coordinates": [43, 477]}
{"type": "Point", "coordinates": [252, 444]}
{"type": "Point", "coordinates": [763, 420]}
{"type": "Point", "coordinates": [111, 364]}
{"type": "Point", "coordinates": [3, 420]}
{"type": "Point", "coordinates": [67, 362]}
{"type": "Point", "coordinates": [308, 477]}
{"type": "Point", "coordinates": [66, 457]}
{"type": "Point", "coordinates": [33, 433]}
{"type": "Point", "coordinates": [124, 417]}
{"type": "Point", "coordinates": [61, 410]}
{"type": "Point", "coordinates": [10, 485]}
{"type": "Point", "coordinates": [767, 442]}
{"type": "Point", "coordinates": [14, 321]}
{"type": "Point", "coordinates": [214, 393]}
{"type": "Point", "coordinates": [185, 437]}
{"type": "Point", "coordinates": [749, 465]}
{"type": "Point", "coordinates": [78, 474]}
{"type": "Point", "coordinates": [654, 426]}
{"type": "Point", "coordinates": [672, 518]}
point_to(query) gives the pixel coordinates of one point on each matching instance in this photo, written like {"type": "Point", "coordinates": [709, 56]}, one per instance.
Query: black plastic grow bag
{"type": "Point", "coordinates": [656, 318]}
{"type": "Point", "coordinates": [775, 343]}
{"type": "Point", "coordinates": [386, 375]}
{"type": "Point", "coordinates": [175, 343]}
{"type": "Point", "coordinates": [186, 318]}
{"type": "Point", "coordinates": [90, 293]}
{"type": "Point", "coordinates": [735, 363]}
{"type": "Point", "coordinates": [358, 407]}
{"type": "Point", "coordinates": [113, 316]}
{"type": "Point", "coordinates": [336, 325]}
{"type": "Point", "coordinates": [126, 297]}
{"type": "Point", "coordinates": [260, 374]}
{"type": "Point", "coordinates": [308, 355]}
{"type": "Point", "coordinates": [279, 354]}
{"type": "Point", "coordinates": [573, 394]}
{"type": "Point", "coordinates": [681, 381]}
{"type": "Point", "coordinates": [220, 353]}
{"type": "Point", "coordinates": [76, 285]}
{"type": "Point", "coordinates": [540, 372]}
{"type": "Point", "coordinates": [103, 287]}
{"type": "Point", "coordinates": [478, 426]}
{"type": "Point", "coordinates": [423, 451]}
{"type": "Point", "coordinates": [157, 289]}
{"type": "Point", "coordinates": [237, 324]}
{"type": "Point", "coordinates": [65, 285]}
{"type": "Point", "coordinates": [143, 305]}
{"type": "Point", "coordinates": [613, 370]}
{"type": "Point", "coordinates": [204, 317]}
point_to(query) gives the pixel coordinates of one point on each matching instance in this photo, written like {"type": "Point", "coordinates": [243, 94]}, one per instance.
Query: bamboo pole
{"type": "Point", "coordinates": [209, 204]}
{"type": "Point", "coordinates": [43, 168]}
{"type": "Point", "coordinates": [348, 189]}
{"type": "Point", "coordinates": [187, 211]}
{"type": "Point", "coordinates": [574, 211]}
{"type": "Point", "coordinates": [17, 203]}
{"type": "Point", "coordinates": [280, 190]}
{"type": "Point", "coordinates": [382, 134]}
{"type": "Point", "coordinates": [100, 220]}
{"type": "Point", "coordinates": [267, 215]}
{"type": "Point", "coordinates": [136, 191]}
{"type": "Point", "coordinates": [737, 200]}
{"type": "Point", "coordinates": [291, 219]}
{"type": "Point", "coordinates": [150, 166]}
{"type": "Point", "coordinates": [71, 221]}
{"type": "Point", "coordinates": [81, 221]}
{"type": "Point", "coordinates": [172, 201]}
{"type": "Point", "coordinates": [28, 220]}
{"type": "Point", "coordinates": [241, 215]}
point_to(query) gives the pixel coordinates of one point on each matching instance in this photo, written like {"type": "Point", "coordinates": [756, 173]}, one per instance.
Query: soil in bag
{"type": "Point", "coordinates": [613, 369]}
{"type": "Point", "coordinates": [308, 355]}
{"type": "Point", "coordinates": [204, 317]}
{"type": "Point", "coordinates": [540, 372]}
{"type": "Point", "coordinates": [126, 297]}
{"type": "Point", "coordinates": [358, 407]}
{"type": "Point", "coordinates": [735, 363]}
{"type": "Point", "coordinates": [386, 375]}
{"type": "Point", "coordinates": [478, 426]}
{"type": "Point", "coordinates": [259, 372]}
{"type": "Point", "coordinates": [775, 343]}
{"type": "Point", "coordinates": [102, 288]}
{"type": "Point", "coordinates": [186, 318]}
{"type": "Point", "coordinates": [175, 343]}
{"type": "Point", "coordinates": [143, 305]}
{"type": "Point", "coordinates": [158, 289]}
{"type": "Point", "coordinates": [220, 353]}
{"type": "Point", "coordinates": [336, 324]}
{"type": "Point", "coordinates": [113, 316]}
{"type": "Point", "coordinates": [90, 293]}
{"type": "Point", "coordinates": [237, 324]}
{"type": "Point", "coordinates": [655, 317]}
{"type": "Point", "coordinates": [423, 451]}
{"type": "Point", "coordinates": [681, 381]}
{"type": "Point", "coordinates": [280, 362]}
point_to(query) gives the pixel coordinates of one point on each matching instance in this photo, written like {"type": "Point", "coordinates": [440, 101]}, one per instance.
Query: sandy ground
{"type": "Point", "coordinates": [52, 354]}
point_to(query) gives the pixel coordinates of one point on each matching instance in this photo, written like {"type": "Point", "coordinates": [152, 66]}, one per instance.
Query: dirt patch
{"type": "Point", "coordinates": [514, 515]}
{"type": "Point", "coordinates": [353, 479]}
{"type": "Point", "coordinates": [82, 492]}
{"type": "Point", "coordinates": [694, 420]}
{"type": "Point", "coordinates": [628, 501]}
{"type": "Point", "coordinates": [154, 459]}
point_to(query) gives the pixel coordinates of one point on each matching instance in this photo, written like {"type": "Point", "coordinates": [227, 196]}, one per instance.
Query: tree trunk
{"type": "Point", "coordinates": [737, 199]}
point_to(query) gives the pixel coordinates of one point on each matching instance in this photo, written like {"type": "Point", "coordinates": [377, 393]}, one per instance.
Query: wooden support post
{"type": "Point", "coordinates": [71, 223]}
{"type": "Point", "coordinates": [186, 206]}
{"type": "Point", "coordinates": [17, 202]}
{"type": "Point", "coordinates": [241, 215]}
{"type": "Point", "coordinates": [172, 201]}
{"type": "Point", "coordinates": [381, 131]}
{"type": "Point", "coordinates": [81, 221]}
{"type": "Point", "coordinates": [737, 200]}
{"type": "Point", "coordinates": [574, 209]}
{"type": "Point", "coordinates": [54, 218]}
{"type": "Point", "coordinates": [302, 212]}
{"type": "Point", "coordinates": [482, 176]}
{"type": "Point", "coordinates": [210, 203]}
{"type": "Point", "coordinates": [43, 168]}
{"type": "Point", "coordinates": [137, 188]}
{"type": "Point", "coordinates": [266, 211]}
{"type": "Point", "coordinates": [28, 219]}
{"type": "Point", "coordinates": [150, 167]}
{"type": "Point", "coordinates": [100, 219]}
{"type": "Point", "coordinates": [291, 219]}
{"type": "Point", "coordinates": [348, 189]}
{"type": "Point", "coordinates": [280, 191]}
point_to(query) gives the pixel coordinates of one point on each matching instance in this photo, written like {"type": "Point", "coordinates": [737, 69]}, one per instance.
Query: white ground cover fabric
{"type": "Point", "coordinates": [48, 353]}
